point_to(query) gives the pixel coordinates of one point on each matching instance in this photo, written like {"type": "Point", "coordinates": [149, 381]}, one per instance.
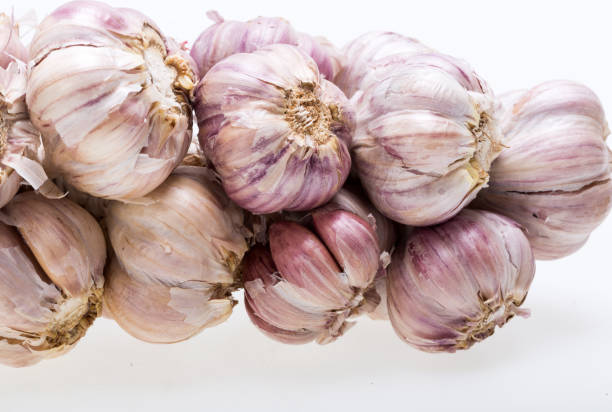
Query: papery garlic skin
{"type": "Point", "coordinates": [21, 151]}
{"type": "Point", "coordinates": [450, 285]}
{"type": "Point", "coordinates": [275, 132]}
{"type": "Point", "coordinates": [110, 95]}
{"type": "Point", "coordinates": [426, 136]}
{"type": "Point", "coordinates": [226, 37]}
{"type": "Point", "coordinates": [176, 260]}
{"type": "Point", "coordinates": [308, 283]}
{"type": "Point", "coordinates": [52, 255]}
{"type": "Point", "coordinates": [367, 50]}
{"type": "Point", "coordinates": [554, 177]}
{"type": "Point", "coordinates": [11, 47]}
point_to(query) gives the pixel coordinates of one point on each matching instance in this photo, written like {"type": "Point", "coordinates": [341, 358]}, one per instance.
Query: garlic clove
{"type": "Point", "coordinates": [291, 337]}
{"type": "Point", "coordinates": [158, 313]}
{"type": "Point", "coordinates": [110, 95]}
{"type": "Point", "coordinates": [269, 127]}
{"type": "Point", "coordinates": [305, 262]}
{"type": "Point", "coordinates": [226, 37]}
{"type": "Point", "coordinates": [52, 255]}
{"type": "Point", "coordinates": [352, 242]}
{"type": "Point", "coordinates": [450, 285]}
{"type": "Point", "coordinates": [554, 177]}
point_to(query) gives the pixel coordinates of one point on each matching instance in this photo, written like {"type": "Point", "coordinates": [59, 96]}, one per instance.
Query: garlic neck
{"type": "Point", "coordinates": [171, 76]}
{"type": "Point", "coordinates": [487, 147]}
{"type": "Point", "coordinates": [308, 117]}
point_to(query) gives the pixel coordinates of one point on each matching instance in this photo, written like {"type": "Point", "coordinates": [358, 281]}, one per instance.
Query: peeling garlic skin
{"type": "Point", "coordinates": [177, 259]}
{"type": "Point", "coordinates": [554, 177]}
{"type": "Point", "coordinates": [11, 47]}
{"type": "Point", "coordinates": [307, 284]}
{"type": "Point", "coordinates": [368, 49]}
{"type": "Point", "coordinates": [52, 257]}
{"type": "Point", "coordinates": [450, 285]}
{"type": "Point", "coordinates": [20, 143]}
{"type": "Point", "coordinates": [110, 95]}
{"type": "Point", "coordinates": [275, 131]}
{"type": "Point", "coordinates": [426, 135]}
{"type": "Point", "coordinates": [226, 37]}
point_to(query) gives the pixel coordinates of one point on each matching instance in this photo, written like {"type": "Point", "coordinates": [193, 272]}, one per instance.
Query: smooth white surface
{"type": "Point", "coordinates": [560, 359]}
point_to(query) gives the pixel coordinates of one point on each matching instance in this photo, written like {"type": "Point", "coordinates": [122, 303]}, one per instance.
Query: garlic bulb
{"type": "Point", "coordinates": [449, 285]}
{"type": "Point", "coordinates": [275, 131]}
{"type": "Point", "coordinates": [176, 260]}
{"type": "Point", "coordinates": [225, 38]}
{"type": "Point", "coordinates": [110, 95]}
{"type": "Point", "coordinates": [307, 284]}
{"type": "Point", "coordinates": [367, 50]}
{"type": "Point", "coordinates": [554, 177]}
{"type": "Point", "coordinates": [52, 255]}
{"type": "Point", "coordinates": [21, 150]}
{"type": "Point", "coordinates": [426, 136]}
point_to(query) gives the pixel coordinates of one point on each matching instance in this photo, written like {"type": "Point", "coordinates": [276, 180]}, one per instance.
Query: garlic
{"type": "Point", "coordinates": [52, 255]}
{"type": "Point", "coordinates": [449, 285]}
{"type": "Point", "coordinates": [225, 38]}
{"type": "Point", "coordinates": [554, 177]}
{"type": "Point", "coordinates": [176, 260]}
{"type": "Point", "coordinates": [308, 283]}
{"type": "Point", "coordinates": [354, 201]}
{"type": "Point", "coordinates": [275, 132]}
{"type": "Point", "coordinates": [110, 95]}
{"type": "Point", "coordinates": [363, 53]}
{"type": "Point", "coordinates": [21, 150]}
{"type": "Point", "coordinates": [426, 136]}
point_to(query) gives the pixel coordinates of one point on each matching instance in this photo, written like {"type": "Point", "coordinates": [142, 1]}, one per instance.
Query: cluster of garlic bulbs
{"type": "Point", "coordinates": [325, 183]}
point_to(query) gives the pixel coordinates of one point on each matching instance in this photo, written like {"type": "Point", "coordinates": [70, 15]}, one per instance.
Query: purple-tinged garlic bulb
{"type": "Point", "coordinates": [307, 283]}
{"type": "Point", "coordinates": [52, 255]}
{"type": "Point", "coordinates": [275, 131]}
{"type": "Point", "coordinates": [225, 38]}
{"type": "Point", "coordinates": [450, 285]}
{"type": "Point", "coordinates": [367, 50]}
{"type": "Point", "coordinates": [110, 95]}
{"type": "Point", "coordinates": [554, 177]}
{"type": "Point", "coordinates": [354, 201]}
{"type": "Point", "coordinates": [21, 151]}
{"type": "Point", "coordinates": [426, 136]}
{"type": "Point", "coordinates": [176, 259]}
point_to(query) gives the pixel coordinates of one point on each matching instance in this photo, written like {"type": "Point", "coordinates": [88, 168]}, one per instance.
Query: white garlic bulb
{"type": "Point", "coordinates": [426, 136]}
{"type": "Point", "coordinates": [554, 177]}
{"type": "Point", "coordinates": [52, 255]}
{"type": "Point", "coordinates": [110, 95]}
{"type": "Point", "coordinates": [176, 259]}
{"type": "Point", "coordinates": [275, 131]}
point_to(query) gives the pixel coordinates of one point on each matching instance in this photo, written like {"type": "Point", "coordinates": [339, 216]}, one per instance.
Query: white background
{"type": "Point", "coordinates": [559, 359]}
